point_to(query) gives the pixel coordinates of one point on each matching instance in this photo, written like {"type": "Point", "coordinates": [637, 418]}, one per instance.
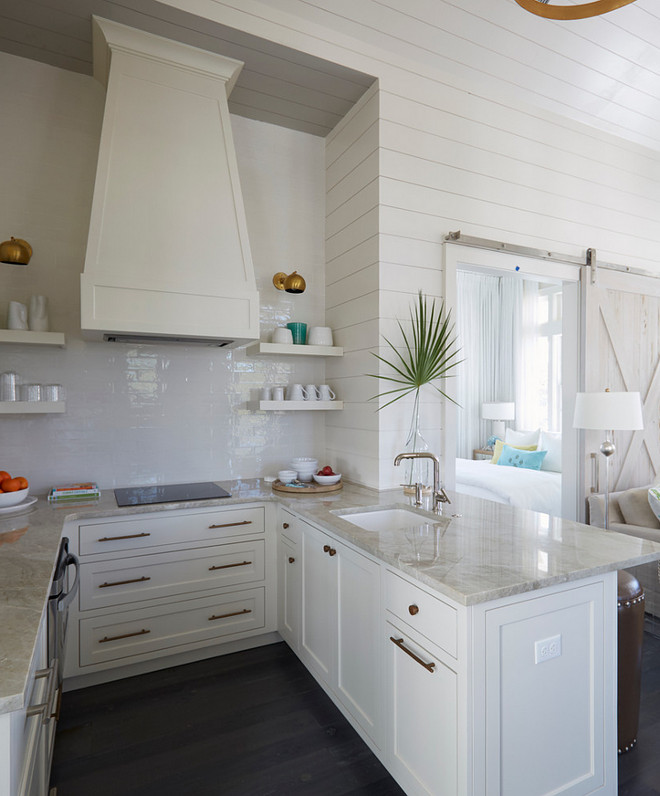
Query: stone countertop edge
{"type": "Point", "coordinates": [475, 551]}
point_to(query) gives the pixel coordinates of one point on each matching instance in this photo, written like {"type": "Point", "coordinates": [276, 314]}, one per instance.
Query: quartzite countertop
{"type": "Point", "coordinates": [475, 552]}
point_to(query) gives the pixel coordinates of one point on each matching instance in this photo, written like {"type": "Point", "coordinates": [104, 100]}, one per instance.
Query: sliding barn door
{"type": "Point", "coordinates": [622, 352]}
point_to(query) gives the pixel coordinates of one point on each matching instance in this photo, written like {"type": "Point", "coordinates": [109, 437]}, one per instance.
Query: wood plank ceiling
{"type": "Point", "coordinates": [277, 84]}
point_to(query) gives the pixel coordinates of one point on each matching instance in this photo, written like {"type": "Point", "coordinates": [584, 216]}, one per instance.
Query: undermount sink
{"type": "Point", "coordinates": [392, 519]}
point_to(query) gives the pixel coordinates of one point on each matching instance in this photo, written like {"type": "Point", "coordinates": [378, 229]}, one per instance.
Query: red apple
{"type": "Point", "coordinates": [327, 470]}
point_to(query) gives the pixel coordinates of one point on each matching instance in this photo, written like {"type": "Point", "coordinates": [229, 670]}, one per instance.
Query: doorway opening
{"type": "Point", "coordinates": [517, 323]}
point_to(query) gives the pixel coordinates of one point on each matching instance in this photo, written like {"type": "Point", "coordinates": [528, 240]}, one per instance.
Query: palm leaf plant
{"type": "Point", "coordinates": [428, 354]}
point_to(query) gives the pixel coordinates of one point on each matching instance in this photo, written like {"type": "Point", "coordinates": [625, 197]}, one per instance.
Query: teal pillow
{"type": "Point", "coordinates": [514, 457]}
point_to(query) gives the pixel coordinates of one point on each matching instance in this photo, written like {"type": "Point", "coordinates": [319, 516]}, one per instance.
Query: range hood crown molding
{"type": "Point", "coordinates": [109, 37]}
{"type": "Point", "coordinates": [168, 253]}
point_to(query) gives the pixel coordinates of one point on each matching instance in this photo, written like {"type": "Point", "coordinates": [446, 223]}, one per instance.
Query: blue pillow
{"type": "Point", "coordinates": [514, 457]}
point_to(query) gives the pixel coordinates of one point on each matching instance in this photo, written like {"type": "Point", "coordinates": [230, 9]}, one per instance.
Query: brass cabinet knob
{"type": "Point", "coordinates": [413, 610]}
{"type": "Point", "coordinates": [285, 524]}
{"type": "Point", "coordinates": [291, 559]}
{"type": "Point", "coordinates": [326, 548]}
{"type": "Point", "coordinates": [332, 551]}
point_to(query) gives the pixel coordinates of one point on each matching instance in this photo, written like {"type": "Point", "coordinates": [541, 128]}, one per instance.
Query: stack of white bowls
{"type": "Point", "coordinates": [305, 467]}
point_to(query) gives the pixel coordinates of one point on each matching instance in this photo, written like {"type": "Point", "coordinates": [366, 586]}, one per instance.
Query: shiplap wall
{"type": "Point", "coordinates": [352, 287]}
{"type": "Point", "coordinates": [455, 155]}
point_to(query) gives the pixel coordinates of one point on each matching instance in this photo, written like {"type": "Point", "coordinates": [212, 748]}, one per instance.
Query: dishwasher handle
{"type": "Point", "coordinates": [66, 599]}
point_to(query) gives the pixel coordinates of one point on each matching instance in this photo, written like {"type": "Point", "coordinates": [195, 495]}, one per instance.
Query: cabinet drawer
{"type": "Point", "coordinates": [146, 530]}
{"type": "Point", "coordinates": [146, 577]}
{"type": "Point", "coordinates": [162, 627]}
{"type": "Point", "coordinates": [427, 614]}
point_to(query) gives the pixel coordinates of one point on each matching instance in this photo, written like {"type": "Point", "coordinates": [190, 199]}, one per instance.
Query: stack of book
{"type": "Point", "coordinates": [72, 492]}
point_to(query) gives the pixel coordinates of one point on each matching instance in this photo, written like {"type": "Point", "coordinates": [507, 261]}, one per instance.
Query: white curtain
{"type": "Point", "coordinates": [528, 398]}
{"type": "Point", "coordinates": [488, 325]}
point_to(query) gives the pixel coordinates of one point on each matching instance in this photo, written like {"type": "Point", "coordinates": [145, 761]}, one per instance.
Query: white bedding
{"type": "Point", "coordinates": [539, 490]}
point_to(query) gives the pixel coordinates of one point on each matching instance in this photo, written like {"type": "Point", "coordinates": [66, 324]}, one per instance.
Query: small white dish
{"type": "Point", "coordinates": [13, 498]}
{"type": "Point", "coordinates": [327, 480]}
{"type": "Point", "coordinates": [305, 476]}
{"type": "Point", "coordinates": [29, 501]}
{"type": "Point", "coordinates": [287, 475]}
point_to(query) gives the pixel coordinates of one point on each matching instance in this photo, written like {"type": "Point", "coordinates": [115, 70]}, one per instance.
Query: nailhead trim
{"type": "Point", "coordinates": [628, 603]}
{"type": "Point", "coordinates": [628, 748]}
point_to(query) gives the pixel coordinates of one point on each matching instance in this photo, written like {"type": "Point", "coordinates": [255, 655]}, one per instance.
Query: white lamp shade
{"type": "Point", "coordinates": [608, 411]}
{"type": "Point", "coordinates": [499, 411]}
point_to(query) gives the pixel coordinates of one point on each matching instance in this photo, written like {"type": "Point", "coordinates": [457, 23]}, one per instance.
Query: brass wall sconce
{"type": "Point", "coordinates": [293, 283]}
{"type": "Point", "coordinates": [15, 252]}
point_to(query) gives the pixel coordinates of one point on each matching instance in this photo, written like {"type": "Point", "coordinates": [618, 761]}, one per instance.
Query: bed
{"type": "Point", "coordinates": [539, 490]}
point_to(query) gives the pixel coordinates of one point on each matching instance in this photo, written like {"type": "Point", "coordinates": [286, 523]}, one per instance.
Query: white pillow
{"type": "Point", "coordinates": [512, 437]}
{"type": "Point", "coordinates": [551, 441]}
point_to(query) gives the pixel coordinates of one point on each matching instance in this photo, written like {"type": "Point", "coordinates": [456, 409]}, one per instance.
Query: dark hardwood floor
{"type": "Point", "coordinates": [254, 724]}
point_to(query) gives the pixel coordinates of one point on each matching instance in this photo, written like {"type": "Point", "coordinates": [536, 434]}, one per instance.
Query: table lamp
{"type": "Point", "coordinates": [498, 413]}
{"type": "Point", "coordinates": [608, 411]}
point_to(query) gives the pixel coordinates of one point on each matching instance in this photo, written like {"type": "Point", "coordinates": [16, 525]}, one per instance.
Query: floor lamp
{"type": "Point", "coordinates": [608, 411]}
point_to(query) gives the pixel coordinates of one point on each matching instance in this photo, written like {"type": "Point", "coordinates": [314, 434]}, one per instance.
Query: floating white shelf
{"type": "Point", "coordinates": [283, 349]}
{"type": "Point", "coordinates": [296, 406]}
{"type": "Point", "coordinates": [32, 338]}
{"type": "Point", "coordinates": [32, 407]}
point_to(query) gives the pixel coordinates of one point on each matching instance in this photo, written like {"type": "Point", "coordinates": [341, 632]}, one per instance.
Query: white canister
{"type": "Point", "coordinates": [17, 316]}
{"type": "Point", "coordinates": [9, 382]}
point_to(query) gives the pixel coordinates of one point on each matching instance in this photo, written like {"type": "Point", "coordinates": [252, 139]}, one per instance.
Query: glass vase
{"type": "Point", "coordinates": [417, 471]}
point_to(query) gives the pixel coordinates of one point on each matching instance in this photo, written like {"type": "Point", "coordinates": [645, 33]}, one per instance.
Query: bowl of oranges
{"type": "Point", "coordinates": [12, 490]}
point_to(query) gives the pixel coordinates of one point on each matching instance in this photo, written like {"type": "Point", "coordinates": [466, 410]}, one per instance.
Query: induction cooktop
{"type": "Point", "coordinates": [168, 493]}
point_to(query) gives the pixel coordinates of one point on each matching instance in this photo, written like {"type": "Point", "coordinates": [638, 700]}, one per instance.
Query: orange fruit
{"type": "Point", "coordinates": [4, 475]}
{"type": "Point", "coordinates": [23, 481]}
{"type": "Point", "coordinates": [10, 485]}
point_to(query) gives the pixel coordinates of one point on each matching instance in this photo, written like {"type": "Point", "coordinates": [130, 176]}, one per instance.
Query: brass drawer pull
{"type": "Point", "coordinates": [123, 582]}
{"type": "Point", "coordinates": [285, 525]}
{"type": "Point", "coordinates": [228, 566]}
{"type": "Point", "coordinates": [332, 552]}
{"type": "Point", "coordinates": [399, 642]}
{"type": "Point", "coordinates": [116, 538]}
{"type": "Point", "coordinates": [326, 548]}
{"type": "Point", "coordinates": [232, 524]}
{"type": "Point", "coordinates": [291, 559]}
{"type": "Point", "coordinates": [233, 613]}
{"type": "Point", "coordinates": [413, 610]}
{"type": "Point", "coordinates": [126, 635]}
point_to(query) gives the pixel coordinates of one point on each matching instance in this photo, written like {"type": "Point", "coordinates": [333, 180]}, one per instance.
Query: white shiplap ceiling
{"type": "Point", "coordinates": [277, 84]}
{"type": "Point", "coordinates": [603, 71]}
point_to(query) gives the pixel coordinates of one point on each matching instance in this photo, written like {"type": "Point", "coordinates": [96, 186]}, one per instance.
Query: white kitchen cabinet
{"type": "Point", "coordinates": [290, 579]}
{"type": "Point", "coordinates": [165, 583]}
{"type": "Point", "coordinates": [26, 734]}
{"type": "Point", "coordinates": [340, 622]}
{"type": "Point", "coordinates": [422, 704]}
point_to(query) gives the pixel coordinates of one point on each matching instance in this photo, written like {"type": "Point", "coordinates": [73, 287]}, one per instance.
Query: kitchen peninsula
{"type": "Point", "coordinates": [432, 639]}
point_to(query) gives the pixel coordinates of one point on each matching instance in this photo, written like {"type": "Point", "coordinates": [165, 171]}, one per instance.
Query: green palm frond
{"type": "Point", "coordinates": [428, 353]}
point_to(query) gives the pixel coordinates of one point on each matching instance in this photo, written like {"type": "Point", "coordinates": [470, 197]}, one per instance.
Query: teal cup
{"type": "Point", "coordinates": [299, 332]}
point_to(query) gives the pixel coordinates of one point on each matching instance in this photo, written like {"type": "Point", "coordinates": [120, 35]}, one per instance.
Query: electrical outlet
{"type": "Point", "coordinates": [547, 649]}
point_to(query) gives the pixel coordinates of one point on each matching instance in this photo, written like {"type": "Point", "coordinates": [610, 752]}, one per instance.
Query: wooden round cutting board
{"type": "Point", "coordinates": [306, 488]}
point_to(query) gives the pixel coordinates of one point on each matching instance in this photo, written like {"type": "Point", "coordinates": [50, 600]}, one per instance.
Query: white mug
{"type": "Point", "coordinates": [311, 392]}
{"type": "Point", "coordinates": [295, 392]}
{"type": "Point", "coordinates": [319, 335]}
{"type": "Point", "coordinates": [325, 393]}
{"type": "Point", "coordinates": [278, 393]}
{"type": "Point", "coordinates": [282, 335]}
{"type": "Point", "coordinates": [265, 394]}
{"type": "Point", "coordinates": [38, 314]}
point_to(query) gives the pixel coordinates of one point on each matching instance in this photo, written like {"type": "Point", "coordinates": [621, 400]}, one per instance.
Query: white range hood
{"type": "Point", "coordinates": [168, 256]}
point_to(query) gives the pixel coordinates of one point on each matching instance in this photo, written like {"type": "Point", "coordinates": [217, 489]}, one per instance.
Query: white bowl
{"type": "Point", "coordinates": [305, 476]}
{"type": "Point", "coordinates": [304, 462]}
{"type": "Point", "coordinates": [13, 498]}
{"type": "Point", "coordinates": [327, 480]}
{"type": "Point", "coordinates": [287, 475]}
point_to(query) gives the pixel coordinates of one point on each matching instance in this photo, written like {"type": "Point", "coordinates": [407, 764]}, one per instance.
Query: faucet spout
{"type": "Point", "coordinates": [439, 494]}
